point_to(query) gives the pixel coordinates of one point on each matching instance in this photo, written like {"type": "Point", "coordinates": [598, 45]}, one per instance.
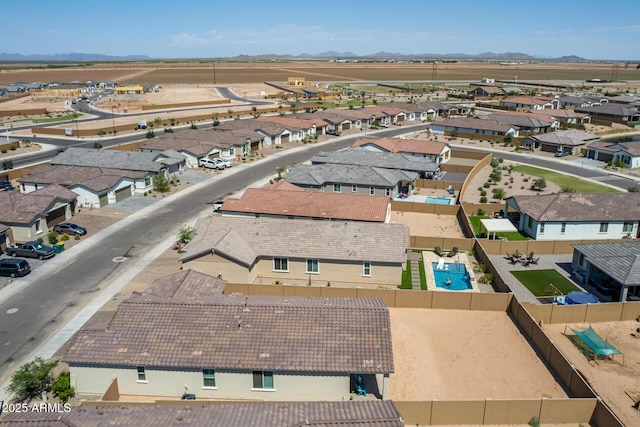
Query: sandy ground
{"type": "Point", "coordinates": [428, 224]}
{"type": "Point", "coordinates": [609, 378]}
{"type": "Point", "coordinates": [452, 354]}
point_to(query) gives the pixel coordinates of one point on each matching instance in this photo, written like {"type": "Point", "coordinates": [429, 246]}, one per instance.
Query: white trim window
{"type": "Point", "coordinates": [263, 380]}
{"type": "Point", "coordinates": [142, 375]}
{"type": "Point", "coordinates": [366, 268]}
{"type": "Point", "coordinates": [313, 266]}
{"type": "Point", "coordinates": [354, 188]}
{"type": "Point", "coordinates": [208, 378]}
{"type": "Point", "coordinates": [372, 190]}
{"type": "Point", "coordinates": [281, 264]}
{"type": "Point", "coordinates": [337, 188]}
{"type": "Point", "coordinates": [604, 227]}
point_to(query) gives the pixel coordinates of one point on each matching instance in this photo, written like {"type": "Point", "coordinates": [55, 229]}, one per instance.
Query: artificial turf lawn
{"type": "Point", "coordinates": [538, 280]}
{"type": "Point", "coordinates": [579, 185]}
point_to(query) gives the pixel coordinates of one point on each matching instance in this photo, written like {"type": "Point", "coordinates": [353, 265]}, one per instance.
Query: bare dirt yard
{"type": "Point", "coordinates": [617, 384]}
{"type": "Point", "coordinates": [452, 354]}
{"type": "Point", "coordinates": [432, 225]}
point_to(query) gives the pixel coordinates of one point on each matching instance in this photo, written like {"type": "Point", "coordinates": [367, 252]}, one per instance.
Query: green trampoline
{"type": "Point", "coordinates": [595, 342]}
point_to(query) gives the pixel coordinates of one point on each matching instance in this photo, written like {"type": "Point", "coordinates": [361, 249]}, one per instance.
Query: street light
{"type": "Point", "coordinates": [113, 119]}
{"type": "Point", "coordinates": [77, 131]}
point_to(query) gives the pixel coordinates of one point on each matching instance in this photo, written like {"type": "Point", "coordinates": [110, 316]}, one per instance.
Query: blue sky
{"type": "Point", "coordinates": [210, 28]}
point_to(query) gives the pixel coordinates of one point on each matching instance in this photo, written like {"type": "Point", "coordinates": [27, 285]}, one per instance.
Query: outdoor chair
{"type": "Point", "coordinates": [530, 255]}
{"type": "Point", "coordinates": [534, 260]}
{"type": "Point", "coordinates": [453, 252]}
{"type": "Point", "coordinates": [517, 254]}
{"type": "Point", "coordinates": [438, 251]}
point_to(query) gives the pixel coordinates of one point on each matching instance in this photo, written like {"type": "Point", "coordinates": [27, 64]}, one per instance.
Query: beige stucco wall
{"type": "Point", "coordinates": [24, 234]}
{"type": "Point", "coordinates": [329, 271]}
{"type": "Point", "coordinates": [229, 385]}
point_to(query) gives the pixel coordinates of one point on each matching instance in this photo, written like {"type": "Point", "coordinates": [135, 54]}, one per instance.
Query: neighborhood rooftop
{"type": "Point", "coordinates": [363, 157]}
{"type": "Point", "coordinates": [399, 145]}
{"type": "Point", "coordinates": [561, 207]}
{"type": "Point", "coordinates": [302, 334]}
{"type": "Point", "coordinates": [129, 160]}
{"type": "Point", "coordinates": [317, 175]}
{"type": "Point", "coordinates": [247, 239]}
{"type": "Point", "coordinates": [620, 260]}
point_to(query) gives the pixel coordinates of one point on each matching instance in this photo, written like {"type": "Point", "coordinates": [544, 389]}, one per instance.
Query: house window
{"type": "Point", "coordinates": [142, 376]}
{"type": "Point", "coordinates": [581, 261]}
{"type": "Point", "coordinates": [372, 190]}
{"type": "Point", "coordinates": [147, 181]}
{"type": "Point", "coordinates": [337, 188]}
{"type": "Point", "coordinates": [232, 151]}
{"type": "Point", "coordinates": [604, 227]}
{"type": "Point", "coordinates": [627, 227]}
{"type": "Point", "coordinates": [313, 266]}
{"type": "Point", "coordinates": [280, 264]}
{"type": "Point", "coordinates": [354, 188]}
{"type": "Point", "coordinates": [366, 268]}
{"type": "Point", "coordinates": [209, 378]}
{"type": "Point", "coordinates": [387, 191]}
{"type": "Point", "coordinates": [542, 228]}
{"type": "Point", "coordinates": [263, 379]}
{"type": "Point", "coordinates": [530, 223]}
{"type": "Point", "coordinates": [563, 227]}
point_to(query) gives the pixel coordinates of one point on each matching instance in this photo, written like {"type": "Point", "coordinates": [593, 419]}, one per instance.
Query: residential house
{"type": "Point", "coordinates": [265, 250]}
{"type": "Point", "coordinates": [29, 216]}
{"type": "Point", "coordinates": [612, 267]}
{"type": "Point", "coordinates": [529, 103]}
{"type": "Point", "coordinates": [470, 125]}
{"type": "Point", "coordinates": [423, 166]}
{"type": "Point", "coordinates": [183, 336]}
{"type": "Point", "coordinates": [483, 92]}
{"type": "Point", "coordinates": [442, 109]}
{"type": "Point", "coordinates": [195, 144]}
{"type": "Point", "coordinates": [625, 98]}
{"type": "Point", "coordinates": [284, 200]}
{"type": "Point", "coordinates": [570, 141]}
{"type": "Point", "coordinates": [151, 163]}
{"type": "Point", "coordinates": [340, 178]}
{"type": "Point", "coordinates": [388, 114]}
{"type": "Point", "coordinates": [612, 151]}
{"type": "Point", "coordinates": [412, 112]}
{"type": "Point", "coordinates": [129, 90]}
{"type": "Point", "coordinates": [301, 129]}
{"type": "Point", "coordinates": [94, 187]}
{"type": "Point", "coordinates": [571, 216]}
{"type": "Point", "coordinates": [611, 112]}
{"type": "Point", "coordinates": [354, 413]}
{"type": "Point", "coordinates": [571, 101]}
{"type": "Point", "coordinates": [271, 133]}
{"type": "Point", "coordinates": [4, 237]}
{"type": "Point", "coordinates": [524, 122]}
{"type": "Point", "coordinates": [436, 151]}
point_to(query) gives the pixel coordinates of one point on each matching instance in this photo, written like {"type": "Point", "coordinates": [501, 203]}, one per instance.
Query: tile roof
{"type": "Point", "coordinates": [527, 100]}
{"type": "Point", "coordinates": [400, 145]}
{"type": "Point", "coordinates": [363, 157]}
{"type": "Point", "coordinates": [309, 204]}
{"type": "Point", "coordinates": [291, 122]}
{"type": "Point", "coordinates": [620, 260]}
{"type": "Point", "coordinates": [318, 175]}
{"type": "Point", "coordinates": [200, 141]}
{"type": "Point", "coordinates": [580, 207]}
{"type": "Point", "coordinates": [373, 413]}
{"type": "Point", "coordinates": [566, 137]}
{"type": "Point", "coordinates": [473, 123]}
{"type": "Point", "coordinates": [114, 159]}
{"type": "Point", "coordinates": [185, 286]}
{"type": "Point", "coordinates": [22, 209]}
{"type": "Point", "coordinates": [246, 239]}
{"type": "Point", "coordinates": [97, 179]}
{"type": "Point", "coordinates": [608, 109]}
{"type": "Point", "coordinates": [517, 120]}
{"type": "Point", "coordinates": [275, 333]}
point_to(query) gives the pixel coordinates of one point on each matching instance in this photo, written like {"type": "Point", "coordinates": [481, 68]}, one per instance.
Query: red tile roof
{"type": "Point", "coordinates": [398, 145]}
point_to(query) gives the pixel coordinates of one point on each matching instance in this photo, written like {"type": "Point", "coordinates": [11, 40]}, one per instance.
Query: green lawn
{"type": "Point", "coordinates": [423, 276]}
{"type": "Point", "coordinates": [57, 119]}
{"type": "Point", "coordinates": [477, 229]}
{"type": "Point", "coordinates": [580, 185]}
{"type": "Point", "coordinates": [538, 280]}
{"type": "Point", "coordinates": [406, 277]}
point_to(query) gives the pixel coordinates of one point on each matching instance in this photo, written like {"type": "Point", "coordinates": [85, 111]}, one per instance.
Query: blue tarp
{"type": "Point", "coordinates": [595, 342]}
{"type": "Point", "coordinates": [577, 297]}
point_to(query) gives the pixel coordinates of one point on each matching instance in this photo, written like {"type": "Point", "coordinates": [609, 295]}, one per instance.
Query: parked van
{"type": "Point", "coordinates": [14, 267]}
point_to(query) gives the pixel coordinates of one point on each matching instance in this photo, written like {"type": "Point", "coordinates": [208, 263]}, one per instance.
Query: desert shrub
{"type": "Point", "coordinates": [483, 199]}
{"type": "Point", "coordinates": [483, 193]}
{"type": "Point", "coordinates": [52, 237]}
{"type": "Point", "coordinates": [486, 185]}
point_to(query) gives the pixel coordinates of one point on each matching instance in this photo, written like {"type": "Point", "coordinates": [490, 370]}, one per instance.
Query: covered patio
{"type": "Point", "coordinates": [497, 225]}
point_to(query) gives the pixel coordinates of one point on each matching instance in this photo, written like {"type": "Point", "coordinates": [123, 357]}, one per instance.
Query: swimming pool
{"type": "Point", "coordinates": [456, 272]}
{"type": "Point", "coordinates": [438, 200]}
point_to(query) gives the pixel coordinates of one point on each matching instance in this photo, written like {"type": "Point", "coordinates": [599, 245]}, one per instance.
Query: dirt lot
{"type": "Point", "coordinates": [428, 224]}
{"type": "Point", "coordinates": [451, 354]}
{"type": "Point", "coordinates": [611, 380]}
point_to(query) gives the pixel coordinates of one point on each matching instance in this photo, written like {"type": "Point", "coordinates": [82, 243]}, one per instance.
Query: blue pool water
{"type": "Point", "coordinates": [442, 200]}
{"type": "Point", "coordinates": [460, 280]}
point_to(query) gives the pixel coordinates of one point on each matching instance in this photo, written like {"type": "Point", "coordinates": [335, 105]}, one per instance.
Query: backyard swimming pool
{"type": "Point", "coordinates": [456, 272]}
{"type": "Point", "coordinates": [438, 200]}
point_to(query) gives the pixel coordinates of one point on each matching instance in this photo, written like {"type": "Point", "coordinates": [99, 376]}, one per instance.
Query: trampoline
{"type": "Point", "coordinates": [599, 346]}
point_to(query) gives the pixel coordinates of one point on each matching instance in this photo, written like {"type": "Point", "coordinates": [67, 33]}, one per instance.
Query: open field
{"type": "Point", "coordinates": [206, 71]}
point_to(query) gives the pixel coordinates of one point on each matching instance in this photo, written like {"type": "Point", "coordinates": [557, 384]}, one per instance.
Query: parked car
{"type": "Point", "coordinates": [210, 163]}
{"type": "Point", "coordinates": [225, 162]}
{"type": "Point", "coordinates": [31, 250]}
{"type": "Point", "coordinates": [6, 185]}
{"type": "Point", "coordinates": [14, 267]}
{"type": "Point", "coordinates": [384, 124]}
{"type": "Point", "coordinates": [333, 132]}
{"type": "Point", "coordinates": [561, 153]}
{"type": "Point", "coordinates": [217, 205]}
{"type": "Point", "coordinates": [70, 228]}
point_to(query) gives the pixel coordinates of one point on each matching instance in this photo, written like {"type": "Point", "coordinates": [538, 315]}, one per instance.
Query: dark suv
{"type": "Point", "coordinates": [14, 267]}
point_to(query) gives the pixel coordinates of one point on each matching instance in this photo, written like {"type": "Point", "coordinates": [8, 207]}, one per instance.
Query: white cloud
{"type": "Point", "coordinates": [195, 40]}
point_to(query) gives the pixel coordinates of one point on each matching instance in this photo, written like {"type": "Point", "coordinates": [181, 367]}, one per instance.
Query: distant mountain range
{"type": "Point", "coordinates": [507, 56]}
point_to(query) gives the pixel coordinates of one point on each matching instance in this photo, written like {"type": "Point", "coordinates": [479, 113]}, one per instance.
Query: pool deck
{"type": "Point", "coordinates": [430, 257]}
{"type": "Point", "coordinates": [420, 198]}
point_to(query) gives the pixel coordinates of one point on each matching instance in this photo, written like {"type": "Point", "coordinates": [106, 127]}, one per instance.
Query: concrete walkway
{"type": "Point", "coordinates": [415, 258]}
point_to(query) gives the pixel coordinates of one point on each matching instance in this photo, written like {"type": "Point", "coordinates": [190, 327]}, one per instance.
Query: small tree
{"type": "Point", "coordinates": [7, 164]}
{"type": "Point", "coordinates": [280, 170]}
{"type": "Point", "coordinates": [539, 184]}
{"type": "Point", "coordinates": [499, 193]}
{"type": "Point", "coordinates": [31, 379]}
{"type": "Point", "coordinates": [161, 183]}
{"type": "Point", "coordinates": [186, 233]}
{"type": "Point", "coordinates": [61, 387]}
{"type": "Point", "coordinates": [52, 237]}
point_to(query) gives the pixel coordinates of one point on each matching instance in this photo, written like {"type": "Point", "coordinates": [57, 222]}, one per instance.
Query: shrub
{"type": "Point", "coordinates": [481, 212]}
{"type": "Point", "coordinates": [4, 151]}
{"type": "Point", "coordinates": [52, 237]}
{"type": "Point", "coordinates": [483, 193]}
{"type": "Point", "coordinates": [483, 199]}
{"type": "Point", "coordinates": [486, 278]}
{"type": "Point", "coordinates": [64, 237]}
{"type": "Point", "coordinates": [479, 188]}
{"type": "Point", "coordinates": [486, 185]}
{"type": "Point", "coordinates": [61, 387]}
{"type": "Point", "coordinates": [31, 379]}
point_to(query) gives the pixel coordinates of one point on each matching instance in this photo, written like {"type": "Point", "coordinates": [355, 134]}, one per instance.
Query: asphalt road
{"type": "Point", "coordinates": [45, 303]}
